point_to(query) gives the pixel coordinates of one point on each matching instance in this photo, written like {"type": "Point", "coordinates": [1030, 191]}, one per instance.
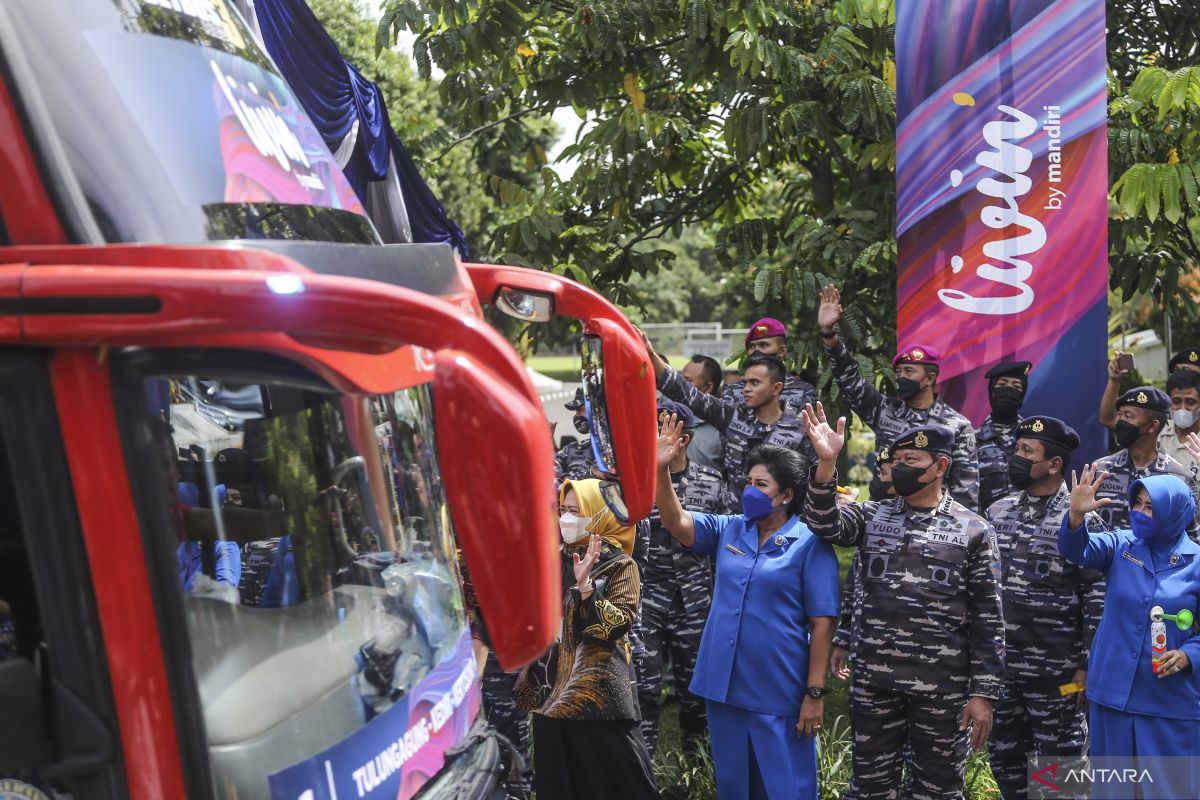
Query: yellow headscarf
{"type": "Point", "coordinates": [602, 521]}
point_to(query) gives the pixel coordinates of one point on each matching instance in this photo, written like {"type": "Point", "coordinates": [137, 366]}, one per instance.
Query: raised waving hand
{"type": "Point", "coordinates": [1083, 494]}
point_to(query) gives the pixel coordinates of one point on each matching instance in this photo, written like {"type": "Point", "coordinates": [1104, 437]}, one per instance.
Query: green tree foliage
{"type": "Point", "coordinates": [1154, 152]}
{"type": "Point", "coordinates": [771, 123]}
{"type": "Point", "coordinates": [416, 113]}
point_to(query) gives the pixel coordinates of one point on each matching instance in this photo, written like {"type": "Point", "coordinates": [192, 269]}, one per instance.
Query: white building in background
{"type": "Point", "coordinates": [1149, 353]}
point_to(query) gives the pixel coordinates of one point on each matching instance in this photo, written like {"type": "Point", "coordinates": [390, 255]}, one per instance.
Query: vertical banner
{"type": "Point", "coordinates": [1002, 198]}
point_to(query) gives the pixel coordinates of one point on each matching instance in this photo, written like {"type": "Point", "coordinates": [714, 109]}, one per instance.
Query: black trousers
{"type": "Point", "coordinates": [586, 759]}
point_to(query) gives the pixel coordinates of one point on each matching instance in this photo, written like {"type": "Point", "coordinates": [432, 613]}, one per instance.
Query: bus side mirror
{"type": "Point", "coordinates": [22, 721]}
{"type": "Point", "coordinates": [496, 463]}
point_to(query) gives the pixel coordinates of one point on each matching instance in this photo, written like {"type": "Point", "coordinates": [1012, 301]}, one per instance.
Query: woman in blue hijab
{"type": "Point", "coordinates": [1144, 682]}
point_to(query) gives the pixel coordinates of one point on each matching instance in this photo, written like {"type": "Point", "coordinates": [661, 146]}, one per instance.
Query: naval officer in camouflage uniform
{"type": "Point", "coordinates": [1141, 415]}
{"type": "Point", "coordinates": [576, 461]}
{"type": "Point", "coordinates": [1051, 610]}
{"type": "Point", "coordinates": [916, 369]}
{"type": "Point", "coordinates": [1007, 383]}
{"type": "Point", "coordinates": [768, 337]}
{"type": "Point", "coordinates": [839, 658]}
{"type": "Point", "coordinates": [676, 594]}
{"type": "Point", "coordinates": [758, 417]}
{"type": "Point", "coordinates": [928, 640]}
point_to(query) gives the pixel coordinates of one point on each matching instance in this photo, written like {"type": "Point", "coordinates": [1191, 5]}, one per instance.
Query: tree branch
{"type": "Point", "coordinates": [844, 162]}
{"type": "Point", "coordinates": [486, 126]}
{"type": "Point", "coordinates": [657, 45]}
{"type": "Point", "coordinates": [682, 213]}
{"type": "Point", "coordinates": [613, 97]}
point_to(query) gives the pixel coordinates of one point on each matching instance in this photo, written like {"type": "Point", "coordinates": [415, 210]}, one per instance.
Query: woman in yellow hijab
{"type": "Point", "coordinates": [587, 742]}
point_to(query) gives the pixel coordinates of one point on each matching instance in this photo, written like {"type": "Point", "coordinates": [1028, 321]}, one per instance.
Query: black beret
{"type": "Point", "coordinates": [576, 402]}
{"type": "Point", "coordinates": [1146, 397]}
{"type": "Point", "coordinates": [684, 413]}
{"type": "Point", "coordinates": [1190, 355]}
{"type": "Point", "coordinates": [1010, 369]}
{"type": "Point", "coordinates": [1048, 429]}
{"type": "Point", "coordinates": [930, 438]}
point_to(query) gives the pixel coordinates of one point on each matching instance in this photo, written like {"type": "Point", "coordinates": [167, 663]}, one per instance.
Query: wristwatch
{"type": "Point", "coordinates": [816, 692]}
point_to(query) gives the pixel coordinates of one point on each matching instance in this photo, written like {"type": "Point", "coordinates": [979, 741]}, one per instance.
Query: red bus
{"type": "Point", "coordinates": [244, 447]}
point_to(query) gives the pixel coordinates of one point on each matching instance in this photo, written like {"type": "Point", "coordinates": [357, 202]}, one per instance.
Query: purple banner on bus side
{"type": "Point", "coordinates": [1002, 199]}
{"type": "Point", "coordinates": [395, 754]}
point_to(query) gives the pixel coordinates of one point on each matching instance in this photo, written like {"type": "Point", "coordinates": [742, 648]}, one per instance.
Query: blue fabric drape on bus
{"type": "Point", "coordinates": [336, 95]}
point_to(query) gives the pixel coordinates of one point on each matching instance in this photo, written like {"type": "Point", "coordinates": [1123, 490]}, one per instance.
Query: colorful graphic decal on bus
{"type": "Point", "coordinates": [396, 753]}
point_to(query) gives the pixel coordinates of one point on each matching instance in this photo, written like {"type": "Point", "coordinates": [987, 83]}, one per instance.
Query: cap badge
{"type": "Point", "coordinates": [917, 354]}
{"type": "Point", "coordinates": [1193, 356]}
{"type": "Point", "coordinates": [883, 453]}
{"type": "Point", "coordinates": [1141, 398]}
{"type": "Point", "coordinates": [922, 440]}
{"type": "Point", "coordinates": [1037, 426]}
{"type": "Point", "coordinates": [1026, 370]}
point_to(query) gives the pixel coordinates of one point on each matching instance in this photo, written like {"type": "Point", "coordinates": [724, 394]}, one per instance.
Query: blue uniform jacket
{"type": "Point", "coordinates": [754, 651]}
{"type": "Point", "coordinates": [1162, 570]}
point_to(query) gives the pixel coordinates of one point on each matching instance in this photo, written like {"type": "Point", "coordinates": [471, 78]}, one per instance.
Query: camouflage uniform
{"type": "Point", "coordinates": [1121, 473]}
{"type": "Point", "coordinates": [676, 594]}
{"type": "Point", "coordinates": [503, 714]}
{"type": "Point", "coordinates": [929, 632]}
{"type": "Point", "coordinates": [797, 393]}
{"type": "Point", "coordinates": [852, 595]}
{"type": "Point", "coordinates": [995, 442]}
{"type": "Point", "coordinates": [890, 416]}
{"type": "Point", "coordinates": [1051, 610]}
{"type": "Point", "coordinates": [575, 461]}
{"type": "Point", "coordinates": [743, 432]}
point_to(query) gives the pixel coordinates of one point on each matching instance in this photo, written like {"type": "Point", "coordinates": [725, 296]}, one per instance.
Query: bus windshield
{"type": "Point", "coordinates": [175, 126]}
{"type": "Point", "coordinates": [310, 540]}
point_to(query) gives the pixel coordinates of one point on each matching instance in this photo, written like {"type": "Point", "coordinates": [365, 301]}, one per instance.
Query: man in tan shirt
{"type": "Point", "coordinates": [1184, 388]}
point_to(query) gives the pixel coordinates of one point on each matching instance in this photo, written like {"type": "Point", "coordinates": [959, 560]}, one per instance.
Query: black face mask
{"type": "Point", "coordinates": [907, 388]}
{"type": "Point", "coordinates": [1020, 472]}
{"type": "Point", "coordinates": [1127, 433]}
{"type": "Point", "coordinates": [1006, 402]}
{"type": "Point", "coordinates": [879, 489]}
{"type": "Point", "coordinates": [906, 480]}
{"type": "Point", "coordinates": [581, 424]}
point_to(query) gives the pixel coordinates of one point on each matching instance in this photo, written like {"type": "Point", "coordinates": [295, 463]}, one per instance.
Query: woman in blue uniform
{"type": "Point", "coordinates": [765, 648]}
{"type": "Point", "coordinates": [1144, 685]}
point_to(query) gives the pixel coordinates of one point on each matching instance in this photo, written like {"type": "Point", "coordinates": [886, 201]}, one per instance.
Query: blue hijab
{"type": "Point", "coordinates": [1173, 508]}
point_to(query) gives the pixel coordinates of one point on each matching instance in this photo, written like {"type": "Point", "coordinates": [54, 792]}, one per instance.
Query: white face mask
{"type": "Point", "coordinates": [572, 527]}
{"type": "Point", "coordinates": [1184, 419]}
